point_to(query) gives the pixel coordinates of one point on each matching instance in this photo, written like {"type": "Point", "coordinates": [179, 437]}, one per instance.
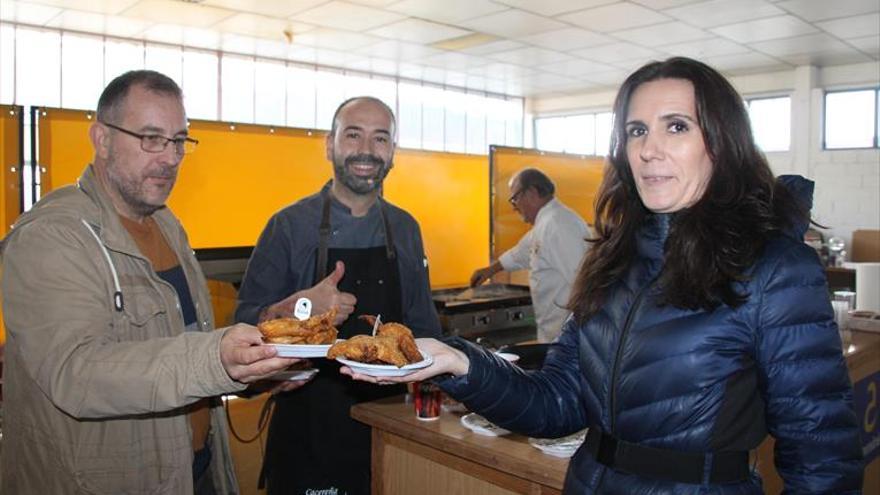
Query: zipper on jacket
{"type": "Point", "coordinates": [616, 370]}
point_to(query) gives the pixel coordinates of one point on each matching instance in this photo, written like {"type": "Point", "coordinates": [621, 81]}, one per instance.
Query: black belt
{"type": "Point", "coordinates": [665, 464]}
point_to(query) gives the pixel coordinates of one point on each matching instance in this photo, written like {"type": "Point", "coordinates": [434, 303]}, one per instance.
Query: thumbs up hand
{"type": "Point", "coordinates": [324, 295]}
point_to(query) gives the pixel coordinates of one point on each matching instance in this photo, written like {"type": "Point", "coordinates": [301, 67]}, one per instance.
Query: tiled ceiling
{"type": "Point", "coordinates": [530, 48]}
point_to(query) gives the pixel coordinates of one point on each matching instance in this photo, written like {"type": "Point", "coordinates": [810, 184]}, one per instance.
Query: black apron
{"type": "Point", "coordinates": [313, 443]}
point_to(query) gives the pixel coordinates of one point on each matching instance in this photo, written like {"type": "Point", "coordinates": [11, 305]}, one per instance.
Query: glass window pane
{"type": "Point", "coordinates": [165, 59]}
{"type": "Point", "coordinates": [433, 121]}
{"type": "Point", "coordinates": [200, 84]}
{"type": "Point", "coordinates": [455, 119]}
{"type": "Point", "coordinates": [38, 67]}
{"type": "Point", "coordinates": [580, 134]}
{"type": "Point", "coordinates": [514, 119]}
{"type": "Point", "coordinates": [476, 124]}
{"type": "Point", "coordinates": [121, 57]}
{"type": "Point", "coordinates": [377, 87]}
{"type": "Point", "coordinates": [237, 88]}
{"type": "Point", "coordinates": [301, 97]}
{"type": "Point", "coordinates": [330, 94]}
{"type": "Point", "coordinates": [771, 123]}
{"type": "Point", "coordinates": [409, 115]}
{"type": "Point", "coordinates": [496, 131]}
{"type": "Point", "coordinates": [849, 119]}
{"type": "Point", "coordinates": [604, 123]}
{"type": "Point", "coordinates": [82, 71]}
{"type": "Point", "coordinates": [269, 104]}
{"type": "Point", "coordinates": [7, 57]}
{"type": "Point", "coordinates": [550, 133]}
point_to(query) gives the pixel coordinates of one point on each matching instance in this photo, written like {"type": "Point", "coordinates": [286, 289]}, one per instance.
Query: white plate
{"type": "Point", "coordinates": [294, 375]}
{"type": "Point", "coordinates": [482, 426]}
{"type": "Point", "coordinates": [302, 350]}
{"type": "Point", "coordinates": [387, 369]}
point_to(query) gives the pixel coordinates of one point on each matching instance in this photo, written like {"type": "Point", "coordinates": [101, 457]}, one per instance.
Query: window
{"type": "Point", "coordinates": [237, 83]}
{"type": "Point", "coordinates": [57, 68]}
{"type": "Point", "coordinates": [200, 84]}
{"type": "Point", "coordinates": [584, 134]}
{"type": "Point", "coordinates": [82, 71]}
{"type": "Point", "coordinates": [7, 60]}
{"type": "Point", "coordinates": [270, 88]}
{"type": "Point", "coordinates": [38, 67]}
{"type": "Point", "coordinates": [771, 122]}
{"type": "Point", "coordinates": [851, 119]}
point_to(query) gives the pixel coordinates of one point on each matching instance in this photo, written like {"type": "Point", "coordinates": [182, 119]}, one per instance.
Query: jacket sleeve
{"type": "Point", "coordinates": [543, 403]}
{"type": "Point", "coordinates": [265, 282]}
{"type": "Point", "coordinates": [804, 380]}
{"type": "Point", "coordinates": [58, 312]}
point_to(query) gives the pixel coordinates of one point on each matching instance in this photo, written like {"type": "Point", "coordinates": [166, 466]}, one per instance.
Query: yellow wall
{"type": "Point", "coordinates": [238, 178]}
{"type": "Point", "coordinates": [10, 188]}
{"type": "Point", "coordinates": [577, 180]}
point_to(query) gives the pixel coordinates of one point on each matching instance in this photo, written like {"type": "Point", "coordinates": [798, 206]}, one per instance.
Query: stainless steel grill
{"type": "Point", "coordinates": [495, 314]}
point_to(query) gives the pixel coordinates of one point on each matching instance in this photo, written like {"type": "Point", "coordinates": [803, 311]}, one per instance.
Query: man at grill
{"type": "Point", "coordinates": [346, 247]}
{"type": "Point", "coordinates": [552, 250]}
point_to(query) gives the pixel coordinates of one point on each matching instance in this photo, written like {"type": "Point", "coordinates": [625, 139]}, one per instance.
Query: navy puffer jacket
{"type": "Point", "coordinates": [696, 381]}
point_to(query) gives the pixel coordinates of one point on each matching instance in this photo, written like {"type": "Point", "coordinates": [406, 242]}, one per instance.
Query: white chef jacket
{"type": "Point", "coordinates": [552, 251]}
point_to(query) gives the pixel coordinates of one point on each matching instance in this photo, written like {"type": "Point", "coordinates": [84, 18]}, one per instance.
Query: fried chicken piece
{"type": "Point", "coordinates": [405, 341]}
{"type": "Point", "coordinates": [370, 350]}
{"type": "Point", "coordinates": [318, 329]}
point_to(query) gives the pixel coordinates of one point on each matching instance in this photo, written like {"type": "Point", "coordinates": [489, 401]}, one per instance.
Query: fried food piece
{"type": "Point", "coordinates": [370, 350]}
{"type": "Point", "coordinates": [318, 329]}
{"type": "Point", "coordinates": [405, 341]}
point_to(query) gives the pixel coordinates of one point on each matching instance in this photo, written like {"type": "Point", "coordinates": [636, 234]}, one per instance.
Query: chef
{"type": "Point", "coordinates": [552, 250]}
{"type": "Point", "coordinates": [347, 247]}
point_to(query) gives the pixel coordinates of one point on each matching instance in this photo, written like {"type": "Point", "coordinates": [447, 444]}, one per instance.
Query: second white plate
{"type": "Point", "coordinates": [302, 350]}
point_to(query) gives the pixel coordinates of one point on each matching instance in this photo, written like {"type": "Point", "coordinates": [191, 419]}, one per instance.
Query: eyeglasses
{"type": "Point", "coordinates": [156, 143]}
{"type": "Point", "coordinates": [514, 198]}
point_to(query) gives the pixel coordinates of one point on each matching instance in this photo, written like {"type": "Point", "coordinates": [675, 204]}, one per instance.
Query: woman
{"type": "Point", "coordinates": [701, 322]}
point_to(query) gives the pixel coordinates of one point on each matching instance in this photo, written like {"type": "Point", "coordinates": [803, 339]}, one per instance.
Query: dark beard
{"type": "Point", "coordinates": [361, 185]}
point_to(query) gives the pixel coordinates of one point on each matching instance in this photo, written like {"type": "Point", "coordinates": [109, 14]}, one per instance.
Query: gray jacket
{"type": "Point", "coordinates": [97, 382]}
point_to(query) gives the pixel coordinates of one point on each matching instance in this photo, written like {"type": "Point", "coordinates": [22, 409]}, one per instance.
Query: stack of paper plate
{"type": "Point", "coordinates": [559, 447]}
{"type": "Point", "coordinates": [482, 426]}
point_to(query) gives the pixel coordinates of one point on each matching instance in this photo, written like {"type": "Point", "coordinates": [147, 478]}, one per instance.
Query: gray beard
{"type": "Point", "coordinates": [130, 192]}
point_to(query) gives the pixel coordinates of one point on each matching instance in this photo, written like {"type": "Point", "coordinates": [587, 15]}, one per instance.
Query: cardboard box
{"type": "Point", "coordinates": [866, 245]}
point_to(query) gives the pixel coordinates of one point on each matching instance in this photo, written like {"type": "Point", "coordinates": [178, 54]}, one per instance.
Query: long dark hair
{"type": "Point", "coordinates": [711, 244]}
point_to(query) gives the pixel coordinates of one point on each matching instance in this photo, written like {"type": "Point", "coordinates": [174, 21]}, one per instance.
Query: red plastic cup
{"type": "Point", "coordinates": [428, 399]}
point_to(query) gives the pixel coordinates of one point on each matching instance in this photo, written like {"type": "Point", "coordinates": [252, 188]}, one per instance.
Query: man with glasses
{"type": "Point", "coordinates": [551, 250]}
{"type": "Point", "coordinates": [113, 372]}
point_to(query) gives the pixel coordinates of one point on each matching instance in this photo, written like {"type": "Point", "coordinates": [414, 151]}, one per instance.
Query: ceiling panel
{"type": "Point", "coordinates": [616, 52]}
{"type": "Point", "coordinates": [746, 63]}
{"type": "Point", "coordinates": [492, 47]}
{"type": "Point", "coordinates": [718, 12]}
{"type": "Point", "coordinates": [335, 39]}
{"type": "Point", "coordinates": [553, 7]}
{"type": "Point", "coordinates": [705, 48]}
{"type": "Point", "coordinates": [186, 14]}
{"type": "Point", "coordinates": [567, 39]}
{"type": "Point", "coordinates": [614, 17]}
{"type": "Point", "coordinates": [819, 42]}
{"type": "Point", "coordinates": [262, 26]}
{"type": "Point", "coordinates": [272, 8]}
{"type": "Point", "coordinates": [852, 27]}
{"type": "Point", "coordinates": [869, 45]}
{"type": "Point", "coordinates": [447, 10]}
{"type": "Point", "coordinates": [419, 31]}
{"type": "Point", "coordinates": [576, 67]}
{"type": "Point", "coordinates": [342, 15]}
{"type": "Point", "coordinates": [530, 56]}
{"type": "Point", "coordinates": [91, 22]}
{"type": "Point", "coordinates": [398, 50]}
{"type": "Point", "coordinates": [817, 10]}
{"type": "Point", "coordinates": [662, 34]}
{"type": "Point", "coordinates": [784, 26]}
{"type": "Point", "coordinates": [98, 6]}
{"type": "Point", "coordinates": [452, 60]}
{"type": "Point", "coordinates": [27, 13]}
{"type": "Point", "coordinates": [512, 24]}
